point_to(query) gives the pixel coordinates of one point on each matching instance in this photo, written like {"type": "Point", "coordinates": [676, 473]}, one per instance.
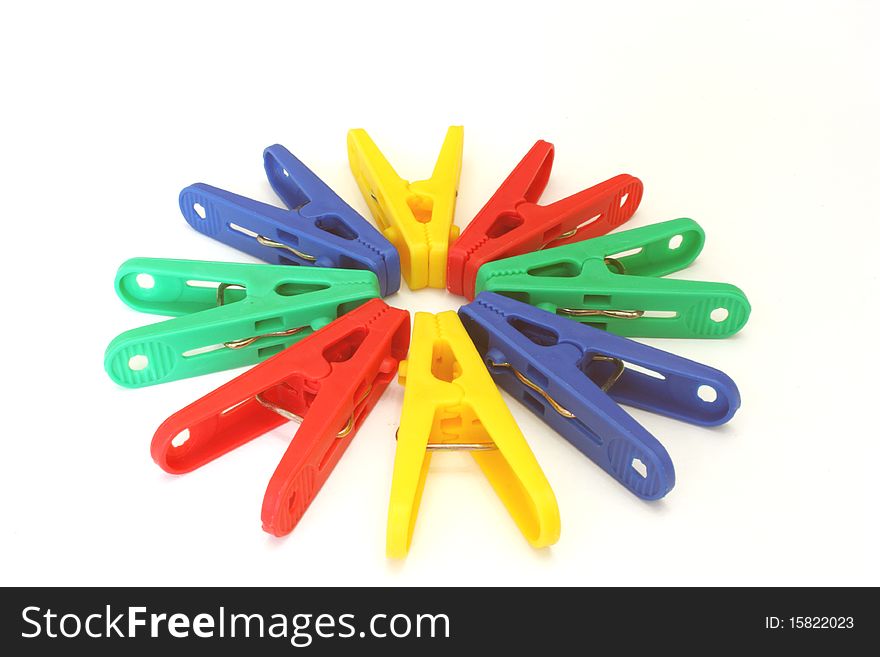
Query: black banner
{"type": "Point", "coordinates": [103, 621]}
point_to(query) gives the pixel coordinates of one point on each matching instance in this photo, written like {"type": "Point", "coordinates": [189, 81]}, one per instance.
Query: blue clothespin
{"type": "Point", "coordinates": [573, 376]}
{"type": "Point", "coordinates": [319, 229]}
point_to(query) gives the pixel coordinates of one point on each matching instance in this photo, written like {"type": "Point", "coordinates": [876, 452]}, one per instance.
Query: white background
{"type": "Point", "coordinates": [759, 120]}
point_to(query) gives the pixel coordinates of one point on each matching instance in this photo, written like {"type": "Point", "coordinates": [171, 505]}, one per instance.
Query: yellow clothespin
{"type": "Point", "coordinates": [415, 217]}
{"type": "Point", "coordinates": [451, 403]}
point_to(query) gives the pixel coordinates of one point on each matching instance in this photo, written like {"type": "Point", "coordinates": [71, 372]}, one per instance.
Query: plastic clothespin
{"type": "Point", "coordinates": [416, 217]}
{"type": "Point", "coordinates": [574, 376]}
{"type": "Point", "coordinates": [611, 283]}
{"type": "Point", "coordinates": [512, 222]}
{"type": "Point", "coordinates": [319, 229]}
{"type": "Point", "coordinates": [329, 381]}
{"type": "Point", "coordinates": [225, 314]}
{"type": "Point", "coordinates": [450, 403]}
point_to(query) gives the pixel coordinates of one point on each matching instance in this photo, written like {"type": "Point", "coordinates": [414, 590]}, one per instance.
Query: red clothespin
{"type": "Point", "coordinates": [512, 222]}
{"type": "Point", "coordinates": [329, 381]}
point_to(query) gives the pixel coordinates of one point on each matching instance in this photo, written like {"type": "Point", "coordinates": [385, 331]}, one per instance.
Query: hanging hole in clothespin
{"type": "Point", "coordinates": [145, 281]}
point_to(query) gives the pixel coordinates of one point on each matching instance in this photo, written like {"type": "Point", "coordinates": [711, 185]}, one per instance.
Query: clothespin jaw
{"type": "Point", "coordinates": [612, 282]}
{"type": "Point", "coordinates": [329, 381]}
{"type": "Point", "coordinates": [225, 315]}
{"type": "Point", "coordinates": [318, 229]}
{"type": "Point", "coordinates": [512, 222]}
{"type": "Point", "coordinates": [450, 402]}
{"type": "Point", "coordinates": [415, 217]}
{"type": "Point", "coordinates": [573, 377]}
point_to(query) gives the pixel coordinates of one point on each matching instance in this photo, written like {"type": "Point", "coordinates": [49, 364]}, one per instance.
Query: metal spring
{"type": "Point", "coordinates": [265, 241]}
{"type": "Point", "coordinates": [241, 343]}
{"type": "Point", "coordinates": [283, 412]}
{"type": "Point", "coordinates": [456, 447]}
{"type": "Point", "coordinates": [592, 312]}
{"type": "Point", "coordinates": [559, 408]}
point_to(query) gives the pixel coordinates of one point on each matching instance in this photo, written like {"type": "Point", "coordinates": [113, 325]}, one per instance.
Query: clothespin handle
{"type": "Point", "coordinates": [660, 382]}
{"type": "Point", "coordinates": [586, 214]}
{"type": "Point", "coordinates": [612, 282]}
{"type": "Point", "coordinates": [653, 250]}
{"type": "Point", "coordinates": [526, 182]}
{"type": "Point", "coordinates": [302, 470]}
{"type": "Point", "coordinates": [192, 343]}
{"type": "Point", "coordinates": [437, 194]}
{"type": "Point", "coordinates": [589, 419]}
{"type": "Point", "coordinates": [591, 212]}
{"type": "Point", "coordinates": [376, 178]}
{"type": "Point", "coordinates": [318, 228]}
{"type": "Point", "coordinates": [644, 306]}
{"type": "Point", "coordinates": [171, 287]}
{"type": "Point", "coordinates": [330, 380]}
{"type": "Point", "coordinates": [665, 307]}
{"type": "Point", "coordinates": [538, 359]}
{"type": "Point", "coordinates": [215, 424]}
{"type": "Point", "coordinates": [246, 224]}
{"type": "Point", "coordinates": [226, 315]}
{"type": "Point", "coordinates": [573, 377]}
{"type": "Point", "coordinates": [291, 180]}
{"type": "Point", "coordinates": [349, 241]}
{"type": "Point", "coordinates": [449, 396]}
{"type": "Point", "coordinates": [305, 193]}
{"type": "Point", "coordinates": [512, 222]}
{"type": "Point", "coordinates": [417, 218]}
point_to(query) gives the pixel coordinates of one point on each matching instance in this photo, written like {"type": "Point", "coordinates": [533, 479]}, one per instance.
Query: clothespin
{"type": "Point", "coordinates": [450, 403]}
{"type": "Point", "coordinates": [611, 283]}
{"type": "Point", "coordinates": [329, 382]}
{"type": "Point", "coordinates": [574, 376]}
{"type": "Point", "coordinates": [416, 217]}
{"type": "Point", "coordinates": [225, 314]}
{"type": "Point", "coordinates": [319, 229]}
{"type": "Point", "coordinates": [512, 222]}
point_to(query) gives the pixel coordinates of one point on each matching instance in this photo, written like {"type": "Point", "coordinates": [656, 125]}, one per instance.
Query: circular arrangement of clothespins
{"type": "Point", "coordinates": [554, 299]}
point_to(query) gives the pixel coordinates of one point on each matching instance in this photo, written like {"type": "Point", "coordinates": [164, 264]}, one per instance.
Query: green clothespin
{"type": "Point", "coordinates": [225, 314]}
{"type": "Point", "coordinates": [610, 282]}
